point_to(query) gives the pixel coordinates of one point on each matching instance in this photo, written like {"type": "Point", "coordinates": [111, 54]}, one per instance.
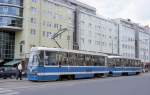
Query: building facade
{"type": "Point", "coordinates": [43, 19]}
{"type": "Point", "coordinates": [144, 44]}
{"type": "Point", "coordinates": [127, 33]}
{"type": "Point", "coordinates": [97, 34]}
{"type": "Point", "coordinates": [11, 17]}
{"type": "Point", "coordinates": [148, 31]}
{"type": "Point", "coordinates": [134, 40]}
{"type": "Point", "coordinates": [28, 23]}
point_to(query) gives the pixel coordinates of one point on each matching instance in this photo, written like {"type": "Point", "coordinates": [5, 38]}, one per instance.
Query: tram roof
{"type": "Point", "coordinates": [122, 57]}
{"type": "Point", "coordinates": [66, 50]}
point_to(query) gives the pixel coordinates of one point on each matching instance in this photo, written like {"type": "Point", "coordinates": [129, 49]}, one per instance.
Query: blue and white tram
{"type": "Point", "coordinates": [119, 65]}
{"type": "Point", "coordinates": [46, 64]}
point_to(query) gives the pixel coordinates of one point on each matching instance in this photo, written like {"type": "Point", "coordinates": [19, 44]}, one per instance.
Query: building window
{"type": "Point", "coordinates": [33, 32]}
{"type": "Point", "coordinates": [34, 1]}
{"type": "Point", "coordinates": [90, 25]}
{"type": "Point", "coordinates": [44, 33]}
{"type": "Point", "coordinates": [49, 24]}
{"type": "Point", "coordinates": [49, 34]}
{"type": "Point", "coordinates": [90, 41]}
{"type": "Point", "coordinates": [82, 40]}
{"type": "Point", "coordinates": [33, 20]}
{"type": "Point", "coordinates": [97, 42]}
{"type": "Point", "coordinates": [110, 29]}
{"type": "Point", "coordinates": [34, 10]}
{"type": "Point", "coordinates": [21, 46]}
{"type": "Point", "coordinates": [7, 42]}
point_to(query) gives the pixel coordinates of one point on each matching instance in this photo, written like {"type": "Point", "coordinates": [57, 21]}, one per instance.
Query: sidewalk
{"type": "Point", "coordinates": [12, 80]}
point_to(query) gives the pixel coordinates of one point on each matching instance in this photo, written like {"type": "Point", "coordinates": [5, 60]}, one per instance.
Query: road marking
{"type": "Point", "coordinates": [8, 92]}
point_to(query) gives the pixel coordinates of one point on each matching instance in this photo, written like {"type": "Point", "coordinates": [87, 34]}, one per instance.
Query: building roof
{"type": "Point", "coordinates": [82, 5]}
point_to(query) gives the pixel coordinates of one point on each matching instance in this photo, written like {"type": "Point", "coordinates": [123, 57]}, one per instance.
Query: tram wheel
{"type": "Point", "coordinates": [125, 74]}
{"type": "Point", "coordinates": [66, 77]}
{"type": "Point", "coordinates": [71, 77]}
{"type": "Point", "coordinates": [99, 75]}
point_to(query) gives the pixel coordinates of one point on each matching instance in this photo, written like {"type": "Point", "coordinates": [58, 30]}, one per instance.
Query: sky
{"type": "Point", "coordinates": [136, 10]}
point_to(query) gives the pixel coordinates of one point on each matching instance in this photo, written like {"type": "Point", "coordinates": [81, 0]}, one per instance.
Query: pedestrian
{"type": "Point", "coordinates": [19, 72]}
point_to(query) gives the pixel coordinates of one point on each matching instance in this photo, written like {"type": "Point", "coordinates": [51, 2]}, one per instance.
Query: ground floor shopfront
{"type": "Point", "coordinates": [7, 45]}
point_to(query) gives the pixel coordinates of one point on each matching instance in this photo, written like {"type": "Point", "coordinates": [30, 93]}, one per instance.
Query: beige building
{"type": "Point", "coordinates": [28, 23]}
{"type": "Point", "coordinates": [41, 20]}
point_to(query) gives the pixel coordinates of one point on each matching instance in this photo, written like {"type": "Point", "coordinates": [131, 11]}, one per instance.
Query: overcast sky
{"type": "Point", "coordinates": [136, 10]}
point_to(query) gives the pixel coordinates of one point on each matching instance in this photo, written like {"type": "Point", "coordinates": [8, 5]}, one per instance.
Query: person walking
{"type": "Point", "coordinates": [19, 69]}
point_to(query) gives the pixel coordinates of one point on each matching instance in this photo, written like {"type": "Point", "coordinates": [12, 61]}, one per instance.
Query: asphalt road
{"type": "Point", "coordinates": [128, 85]}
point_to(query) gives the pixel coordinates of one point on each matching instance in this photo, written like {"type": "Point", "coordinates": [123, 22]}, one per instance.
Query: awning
{"type": "Point", "coordinates": [11, 63]}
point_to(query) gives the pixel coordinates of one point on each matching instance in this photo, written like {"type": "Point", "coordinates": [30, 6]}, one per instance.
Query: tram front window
{"type": "Point", "coordinates": [33, 60]}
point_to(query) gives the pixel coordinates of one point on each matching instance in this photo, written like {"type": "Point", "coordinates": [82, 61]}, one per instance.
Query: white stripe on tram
{"type": "Point", "coordinates": [125, 71]}
{"type": "Point", "coordinates": [68, 73]}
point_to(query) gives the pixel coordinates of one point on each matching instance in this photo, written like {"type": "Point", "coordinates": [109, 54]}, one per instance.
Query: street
{"type": "Point", "coordinates": [126, 85]}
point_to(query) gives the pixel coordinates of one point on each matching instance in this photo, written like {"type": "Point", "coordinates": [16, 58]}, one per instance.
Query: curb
{"type": "Point", "coordinates": [11, 80]}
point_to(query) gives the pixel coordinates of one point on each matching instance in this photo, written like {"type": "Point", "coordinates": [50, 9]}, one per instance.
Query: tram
{"type": "Point", "coordinates": [146, 67]}
{"type": "Point", "coordinates": [50, 64]}
{"type": "Point", "coordinates": [46, 64]}
{"type": "Point", "coordinates": [119, 65]}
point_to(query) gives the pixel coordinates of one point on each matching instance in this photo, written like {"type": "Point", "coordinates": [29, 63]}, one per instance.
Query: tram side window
{"type": "Point", "coordinates": [101, 61]}
{"type": "Point", "coordinates": [128, 63]}
{"type": "Point", "coordinates": [114, 62]}
{"type": "Point", "coordinates": [87, 59]}
{"type": "Point", "coordinates": [121, 62]}
{"type": "Point", "coordinates": [140, 64]}
{"type": "Point", "coordinates": [59, 58]}
{"type": "Point", "coordinates": [92, 60]}
{"type": "Point", "coordinates": [50, 58]}
{"type": "Point", "coordinates": [71, 58]}
{"type": "Point", "coordinates": [124, 62]}
{"type": "Point", "coordinates": [41, 60]}
{"type": "Point", "coordinates": [77, 59]}
{"type": "Point", "coordinates": [63, 59]}
{"type": "Point", "coordinates": [118, 62]}
{"type": "Point", "coordinates": [132, 64]}
{"type": "Point", "coordinates": [96, 61]}
{"type": "Point", "coordinates": [80, 59]}
{"type": "Point", "coordinates": [110, 62]}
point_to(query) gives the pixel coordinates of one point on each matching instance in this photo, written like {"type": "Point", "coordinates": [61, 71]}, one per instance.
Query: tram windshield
{"type": "Point", "coordinates": [34, 59]}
